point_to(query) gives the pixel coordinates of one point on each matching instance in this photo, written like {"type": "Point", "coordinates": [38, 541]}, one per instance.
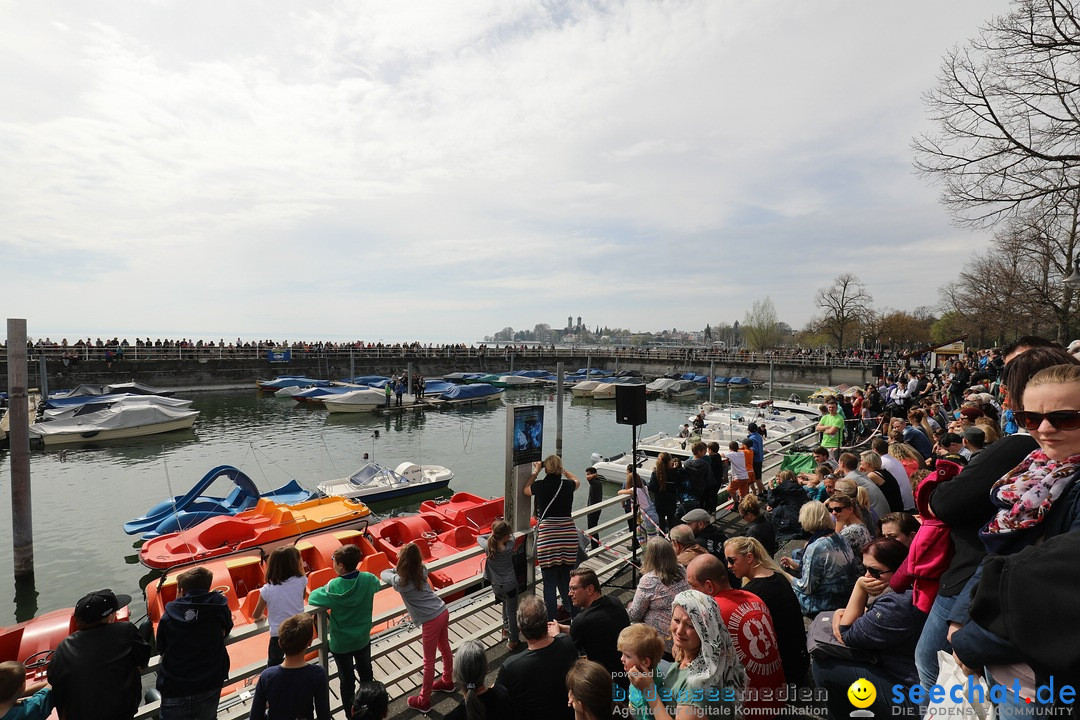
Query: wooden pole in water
{"type": "Point", "coordinates": [22, 524]}
{"type": "Point", "coordinates": [558, 407]}
{"type": "Point", "coordinates": [712, 379]}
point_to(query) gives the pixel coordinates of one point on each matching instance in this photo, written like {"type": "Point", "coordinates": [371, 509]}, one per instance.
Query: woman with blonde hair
{"type": "Point", "coordinates": [749, 560]}
{"type": "Point", "coordinates": [556, 533]}
{"type": "Point", "coordinates": [826, 572]}
{"type": "Point", "coordinates": [870, 466]}
{"type": "Point", "coordinates": [861, 499]}
{"type": "Point", "coordinates": [909, 457]}
{"type": "Point", "coordinates": [661, 580]}
{"type": "Point", "coordinates": [849, 524]}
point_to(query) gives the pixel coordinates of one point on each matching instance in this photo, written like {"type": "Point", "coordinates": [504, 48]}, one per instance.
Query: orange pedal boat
{"type": "Point", "coordinates": [267, 525]}
{"type": "Point", "coordinates": [32, 642]}
{"type": "Point", "coordinates": [239, 577]}
{"type": "Point", "coordinates": [436, 537]}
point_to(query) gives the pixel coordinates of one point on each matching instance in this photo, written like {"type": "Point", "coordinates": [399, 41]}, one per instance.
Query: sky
{"type": "Point", "coordinates": [440, 170]}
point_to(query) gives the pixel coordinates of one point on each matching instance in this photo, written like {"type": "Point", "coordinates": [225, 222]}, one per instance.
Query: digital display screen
{"type": "Point", "coordinates": [528, 434]}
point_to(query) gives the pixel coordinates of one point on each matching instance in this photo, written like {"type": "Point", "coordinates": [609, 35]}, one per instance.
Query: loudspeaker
{"type": "Point", "coordinates": [877, 370]}
{"type": "Point", "coordinates": [630, 405]}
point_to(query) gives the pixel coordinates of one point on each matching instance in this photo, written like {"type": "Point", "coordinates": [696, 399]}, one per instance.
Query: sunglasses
{"type": "Point", "coordinates": [731, 560]}
{"type": "Point", "coordinates": [836, 508]}
{"type": "Point", "coordinates": [1059, 419]}
{"type": "Point", "coordinates": [875, 573]}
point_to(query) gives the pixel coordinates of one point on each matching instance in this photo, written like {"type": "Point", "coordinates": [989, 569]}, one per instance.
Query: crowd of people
{"type": "Point", "coordinates": [947, 535]}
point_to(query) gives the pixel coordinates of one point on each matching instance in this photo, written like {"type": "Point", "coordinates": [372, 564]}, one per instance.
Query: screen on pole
{"type": "Point", "coordinates": [528, 433]}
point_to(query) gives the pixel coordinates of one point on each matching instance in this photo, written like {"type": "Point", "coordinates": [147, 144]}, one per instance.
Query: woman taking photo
{"type": "Point", "coordinates": [664, 485]}
{"type": "Point", "coordinates": [644, 524]}
{"type": "Point", "coordinates": [662, 579]}
{"type": "Point", "coordinates": [556, 534]}
{"type": "Point", "coordinates": [827, 570]}
{"type": "Point", "coordinates": [751, 562]}
{"type": "Point", "coordinates": [706, 665]}
{"type": "Point", "coordinates": [889, 633]}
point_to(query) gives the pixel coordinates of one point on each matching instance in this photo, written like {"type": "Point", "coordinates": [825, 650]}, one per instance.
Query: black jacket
{"type": "Point", "coordinates": [95, 675]}
{"type": "Point", "coordinates": [191, 642]}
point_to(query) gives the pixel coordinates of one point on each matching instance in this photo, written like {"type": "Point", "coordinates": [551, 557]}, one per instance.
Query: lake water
{"type": "Point", "coordinates": [83, 495]}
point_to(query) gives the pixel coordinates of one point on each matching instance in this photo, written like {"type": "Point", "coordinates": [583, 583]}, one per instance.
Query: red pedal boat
{"type": "Point", "coordinates": [265, 526]}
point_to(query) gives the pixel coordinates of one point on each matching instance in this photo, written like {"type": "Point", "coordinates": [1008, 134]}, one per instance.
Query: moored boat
{"type": "Point", "coordinates": [266, 526]}
{"type": "Point", "coordinates": [33, 641]}
{"type": "Point", "coordinates": [191, 508]}
{"type": "Point", "coordinates": [120, 420]}
{"type": "Point", "coordinates": [362, 400]}
{"type": "Point", "coordinates": [373, 482]}
{"type": "Point", "coordinates": [473, 394]}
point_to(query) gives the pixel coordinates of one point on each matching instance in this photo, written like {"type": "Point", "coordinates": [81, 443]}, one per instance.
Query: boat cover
{"type": "Point", "coordinates": [116, 417]}
{"type": "Point", "coordinates": [466, 392]}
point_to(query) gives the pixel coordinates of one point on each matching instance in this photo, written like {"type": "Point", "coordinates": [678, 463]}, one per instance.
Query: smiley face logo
{"type": "Point", "coordinates": [862, 693]}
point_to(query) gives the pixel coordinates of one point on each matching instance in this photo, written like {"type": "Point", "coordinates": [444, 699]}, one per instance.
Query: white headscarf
{"type": "Point", "coordinates": [717, 664]}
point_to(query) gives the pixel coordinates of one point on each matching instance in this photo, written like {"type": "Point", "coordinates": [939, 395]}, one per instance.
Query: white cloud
{"type": "Point", "coordinates": [375, 169]}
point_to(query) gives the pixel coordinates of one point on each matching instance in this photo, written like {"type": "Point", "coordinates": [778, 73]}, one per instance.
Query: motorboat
{"type": "Point", "coordinates": [368, 380]}
{"type": "Point", "coordinates": [463, 377]}
{"type": "Point", "coordinates": [267, 525]}
{"type": "Point", "coordinates": [373, 482]}
{"type": "Point", "coordinates": [121, 419]}
{"type": "Point", "coordinates": [505, 381]}
{"type": "Point", "coordinates": [317, 395]}
{"type": "Point", "coordinates": [473, 394]}
{"type": "Point", "coordinates": [102, 402]}
{"type": "Point", "coordinates": [682, 388]}
{"type": "Point", "coordinates": [659, 385]}
{"type": "Point", "coordinates": [128, 388]}
{"type": "Point", "coordinates": [362, 400]}
{"type": "Point", "coordinates": [186, 511]}
{"type": "Point", "coordinates": [284, 381]}
{"type": "Point", "coordinates": [607, 390]}
{"type": "Point", "coordinates": [584, 388]}
{"type": "Point", "coordinates": [33, 641]}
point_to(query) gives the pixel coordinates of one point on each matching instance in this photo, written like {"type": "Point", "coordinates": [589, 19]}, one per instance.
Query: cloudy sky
{"type": "Point", "coordinates": [439, 170]}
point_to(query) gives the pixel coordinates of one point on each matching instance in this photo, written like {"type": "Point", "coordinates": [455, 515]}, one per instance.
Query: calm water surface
{"type": "Point", "coordinates": [83, 495]}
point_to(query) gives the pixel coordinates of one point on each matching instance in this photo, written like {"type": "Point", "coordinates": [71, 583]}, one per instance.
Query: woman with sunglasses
{"type": "Point", "coordinates": [822, 578]}
{"type": "Point", "coordinates": [750, 561]}
{"type": "Point", "coordinates": [964, 505]}
{"type": "Point", "coordinates": [849, 525]}
{"type": "Point", "coordinates": [889, 632]}
{"type": "Point", "coordinates": [1040, 497]}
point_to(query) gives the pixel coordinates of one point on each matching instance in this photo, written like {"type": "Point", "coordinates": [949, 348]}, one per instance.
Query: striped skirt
{"type": "Point", "coordinates": [556, 542]}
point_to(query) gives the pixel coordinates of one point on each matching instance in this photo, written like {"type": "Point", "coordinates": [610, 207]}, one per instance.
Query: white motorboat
{"type": "Point", "coordinates": [659, 385]}
{"type": "Point", "coordinates": [363, 400]}
{"type": "Point", "coordinates": [373, 482]}
{"type": "Point", "coordinates": [118, 421]}
{"type": "Point", "coordinates": [108, 401]}
{"type": "Point", "coordinates": [584, 388]}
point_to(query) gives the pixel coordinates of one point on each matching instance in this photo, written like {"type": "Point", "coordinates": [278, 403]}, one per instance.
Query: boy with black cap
{"type": "Point", "coordinates": [191, 642]}
{"type": "Point", "coordinates": [95, 671]}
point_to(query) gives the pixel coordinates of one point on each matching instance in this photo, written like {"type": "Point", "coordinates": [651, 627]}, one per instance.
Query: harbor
{"type": "Point", "coordinates": [83, 494]}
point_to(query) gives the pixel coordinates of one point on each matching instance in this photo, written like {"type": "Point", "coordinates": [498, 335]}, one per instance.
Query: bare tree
{"type": "Point", "coordinates": [844, 304]}
{"type": "Point", "coordinates": [1007, 115]}
{"type": "Point", "coordinates": [761, 329]}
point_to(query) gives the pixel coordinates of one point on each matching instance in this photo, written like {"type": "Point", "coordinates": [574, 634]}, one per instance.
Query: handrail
{"type": "Point", "coordinates": [681, 356]}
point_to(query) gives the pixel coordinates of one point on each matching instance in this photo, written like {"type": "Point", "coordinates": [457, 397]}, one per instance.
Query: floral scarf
{"type": "Point", "coordinates": [717, 664]}
{"type": "Point", "coordinates": [1025, 496]}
